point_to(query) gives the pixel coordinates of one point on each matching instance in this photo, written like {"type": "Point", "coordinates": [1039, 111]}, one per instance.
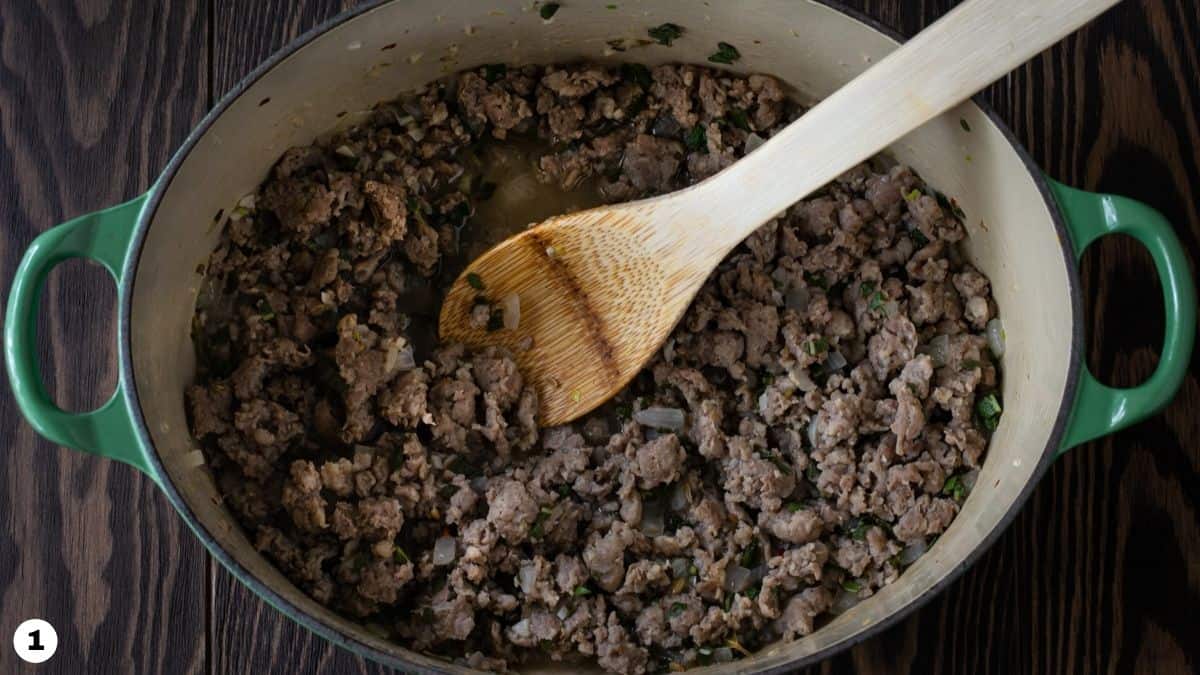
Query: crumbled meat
{"type": "Point", "coordinates": [829, 373]}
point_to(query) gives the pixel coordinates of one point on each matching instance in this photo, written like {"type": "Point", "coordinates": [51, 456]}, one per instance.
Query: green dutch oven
{"type": "Point", "coordinates": [1026, 235]}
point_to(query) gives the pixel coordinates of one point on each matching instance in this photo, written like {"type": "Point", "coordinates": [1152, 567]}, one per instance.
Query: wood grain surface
{"type": "Point", "coordinates": [1099, 574]}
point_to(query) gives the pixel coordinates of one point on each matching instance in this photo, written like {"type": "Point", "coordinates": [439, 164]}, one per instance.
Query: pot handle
{"type": "Point", "coordinates": [1099, 409]}
{"type": "Point", "coordinates": [102, 237]}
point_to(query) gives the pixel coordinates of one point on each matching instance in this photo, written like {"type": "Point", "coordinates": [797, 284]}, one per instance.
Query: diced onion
{"type": "Point", "coordinates": [938, 350]}
{"type": "Point", "coordinates": [520, 629]}
{"type": "Point", "coordinates": [737, 579]}
{"type": "Point", "coordinates": [913, 551]}
{"type": "Point", "coordinates": [399, 357]}
{"type": "Point", "coordinates": [797, 299]}
{"type": "Point", "coordinates": [443, 551]}
{"type": "Point", "coordinates": [416, 133]}
{"type": "Point", "coordinates": [812, 432]}
{"type": "Point", "coordinates": [835, 360]}
{"type": "Point", "coordinates": [248, 202]}
{"type": "Point", "coordinates": [679, 497]}
{"type": "Point", "coordinates": [512, 311]}
{"type": "Point", "coordinates": [722, 655]}
{"type": "Point", "coordinates": [844, 601]}
{"type": "Point", "coordinates": [995, 337]}
{"type": "Point", "coordinates": [679, 567]}
{"type": "Point", "coordinates": [193, 459]}
{"type": "Point", "coordinates": [653, 519]}
{"type": "Point", "coordinates": [669, 349]}
{"type": "Point", "coordinates": [413, 109]}
{"type": "Point", "coordinates": [345, 151]}
{"type": "Point", "coordinates": [660, 418]}
{"type": "Point", "coordinates": [527, 577]}
{"type": "Point", "coordinates": [802, 380]}
{"type": "Point", "coordinates": [969, 479]}
{"type": "Point", "coordinates": [753, 141]}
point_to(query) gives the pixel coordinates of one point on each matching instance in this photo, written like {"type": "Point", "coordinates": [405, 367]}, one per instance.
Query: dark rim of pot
{"type": "Point", "coordinates": [335, 635]}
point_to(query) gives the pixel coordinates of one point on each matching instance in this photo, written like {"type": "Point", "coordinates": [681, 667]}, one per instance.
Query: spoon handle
{"type": "Point", "coordinates": [972, 46]}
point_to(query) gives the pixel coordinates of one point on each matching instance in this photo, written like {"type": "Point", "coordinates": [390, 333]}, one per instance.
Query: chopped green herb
{"type": "Point", "coordinates": [538, 529]}
{"type": "Point", "coordinates": [912, 388]}
{"type": "Point", "coordinates": [726, 53]}
{"type": "Point", "coordinates": [750, 556]}
{"type": "Point", "coordinates": [752, 593]}
{"type": "Point", "coordinates": [693, 571]}
{"type": "Point", "coordinates": [624, 412]}
{"type": "Point", "coordinates": [970, 364]}
{"type": "Point", "coordinates": [919, 238]}
{"type": "Point", "coordinates": [866, 288]}
{"type": "Point", "coordinates": [696, 139]}
{"type": "Point", "coordinates": [678, 608]}
{"type": "Point", "coordinates": [666, 33]}
{"type": "Point", "coordinates": [877, 301]}
{"type": "Point", "coordinates": [912, 195]}
{"type": "Point", "coordinates": [707, 651]}
{"type": "Point", "coordinates": [475, 280]}
{"type": "Point", "coordinates": [783, 466]}
{"type": "Point", "coordinates": [794, 506]}
{"type": "Point", "coordinates": [857, 528]}
{"type": "Point", "coordinates": [816, 346]}
{"type": "Point", "coordinates": [616, 44]}
{"type": "Point", "coordinates": [611, 6]}
{"type": "Point", "coordinates": [549, 10]}
{"type": "Point", "coordinates": [963, 123]}
{"type": "Point", "coordinates": [492, 72]}
{"type": "Point", "coordinates": [954, 488]}
{"type": "Point", "coordinates": [546, 645]}
{"type": "Point", "coordinates": [738, 118]}
{"type": "Point", "coordinates": [989, 411]}
{"type": "Point", "coordinates": [564, 491]}
{"type": "Point", "coordinates": [581, 591]}
{"type": "Point", "coordinates": [638, 73]}
{"type": "Point", "coordinates": [400, 556]}
{"type": "Point", "coordinates": [267, 316]}
{"type": "Point", "coordinates": [817, 280]}
{"type": "Point", "coordinates": [812, 473]}
{"type": "Point", "coordinates": [851, 586]}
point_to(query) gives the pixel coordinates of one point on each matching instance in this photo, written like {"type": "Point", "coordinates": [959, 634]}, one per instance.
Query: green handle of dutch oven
{"type": "Point", "coordinates": [102, 237]}
{"type": "Point", "coordinates": [109, 431]}
{"type": "Point", "coordinates": [1099, 409]}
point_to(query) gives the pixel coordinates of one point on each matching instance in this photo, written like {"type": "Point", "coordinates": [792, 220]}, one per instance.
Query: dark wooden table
{"type": "Point", "coordinates": [1100, 573]}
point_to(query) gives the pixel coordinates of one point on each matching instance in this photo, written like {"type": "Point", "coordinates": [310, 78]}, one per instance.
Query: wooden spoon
{"type": "Point", "coordinates": [600, 290]}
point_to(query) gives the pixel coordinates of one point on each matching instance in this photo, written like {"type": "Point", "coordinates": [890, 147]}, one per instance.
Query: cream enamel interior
{"type": "Point", "coordinates": [808, 45]}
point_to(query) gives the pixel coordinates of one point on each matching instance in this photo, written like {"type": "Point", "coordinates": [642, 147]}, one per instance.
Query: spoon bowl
{"type": "Point", "coordinates": [599, 291]}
